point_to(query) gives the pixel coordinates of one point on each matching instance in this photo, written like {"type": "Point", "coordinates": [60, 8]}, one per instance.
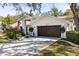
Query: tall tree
{"type": "Point", "coordinates": [61, 13]}
{"type": "Point", "coordinates": [75, 10]}
{"type": "Point", "coordinates": [55, 12]}
{"type": "Point", "coordinates": [34, 7]}
{"type": "Point", "coordinates": [68, 12]}
{"type": "Point", "coordinates": [18, 7]}
{"type": "Point", "coordinates": [8, 20]}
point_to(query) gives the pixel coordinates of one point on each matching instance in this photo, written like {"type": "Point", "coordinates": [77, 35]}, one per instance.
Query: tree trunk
{"type": "Point", "coordinates": [75, 14]}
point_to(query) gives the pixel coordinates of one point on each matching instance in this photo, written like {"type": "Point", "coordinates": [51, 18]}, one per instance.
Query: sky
{"type": "Point", "coordinates": [45, 7]}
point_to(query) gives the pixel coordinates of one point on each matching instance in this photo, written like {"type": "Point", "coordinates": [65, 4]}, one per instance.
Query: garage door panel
{"type": "Point", "coordinates": [53, 30]}
{"type": "Point", "coordinates": [50, 31]}
{"type": "Point", "coordinates": [41, 31]}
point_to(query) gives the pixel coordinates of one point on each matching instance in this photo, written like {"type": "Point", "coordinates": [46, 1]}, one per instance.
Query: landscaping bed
{"type": "Point", "coordinates": [4, 38]}
{"type": "Point", "coordinates": [60, 48]}
{"type": "Point", "coordinates": [73, 36]}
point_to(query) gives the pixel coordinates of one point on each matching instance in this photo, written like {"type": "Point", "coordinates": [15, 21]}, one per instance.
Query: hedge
{"type": "Point", "coordinates": [73, 36]}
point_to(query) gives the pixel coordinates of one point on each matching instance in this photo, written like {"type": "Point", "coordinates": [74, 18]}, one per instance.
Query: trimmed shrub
{"type": "Point", "coordinates": [31, 29]}
{"type": "Point", "coordinates": [62, 29]}
{"type": "Point", "coordinates": [73, 36]}
{"type": "Point", "coordinates": [13, 34]}
{"type": "Point", "coordinates": [22, 33]}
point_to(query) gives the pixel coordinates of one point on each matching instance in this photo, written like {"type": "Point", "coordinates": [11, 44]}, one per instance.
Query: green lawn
{"type": "Point", "coordinates": [59, 48]}
{"type": "Point", "coordinates": [3, 38]}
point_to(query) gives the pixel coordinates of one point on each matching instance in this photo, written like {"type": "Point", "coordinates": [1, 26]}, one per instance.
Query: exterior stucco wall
{"type": "Point", "coordinates": [68, 27]}
{"type": "Point", "coordinates": [35, 31]}
{"type": "Point", "coordinates": [63, 35]}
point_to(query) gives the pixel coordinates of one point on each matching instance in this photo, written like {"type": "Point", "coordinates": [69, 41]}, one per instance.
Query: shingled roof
{"type": "Point", "coordinates": [68, 18]}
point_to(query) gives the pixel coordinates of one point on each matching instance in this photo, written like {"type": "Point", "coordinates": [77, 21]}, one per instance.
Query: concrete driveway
{"type": "Point", "coordinates": [26, 46]}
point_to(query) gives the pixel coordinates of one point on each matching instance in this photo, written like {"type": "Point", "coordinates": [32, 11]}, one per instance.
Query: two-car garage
{"type": "Point", "coordinates": [48, 26]}
{"type": "Point", "coordinates": [49, 31]}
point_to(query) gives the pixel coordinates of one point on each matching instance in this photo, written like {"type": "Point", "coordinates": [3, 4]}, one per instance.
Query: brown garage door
{"type": "Point", "coordinates": [49, 31]}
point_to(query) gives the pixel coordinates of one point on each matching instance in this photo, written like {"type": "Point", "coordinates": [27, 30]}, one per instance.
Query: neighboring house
{"type": "Point", "coordinates": [48, 25]}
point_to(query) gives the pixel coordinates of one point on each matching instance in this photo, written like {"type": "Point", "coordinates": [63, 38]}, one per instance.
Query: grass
{"type": "Point", "coordinates": [3, 38]}
{"type": "Point", "coordinates": [59, 48]}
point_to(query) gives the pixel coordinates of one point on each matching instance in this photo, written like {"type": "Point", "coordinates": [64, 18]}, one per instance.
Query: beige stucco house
{"type": "Point", "coordinates": [42, 21]}
{"type": "Point", "coordinates": [49, 25]}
